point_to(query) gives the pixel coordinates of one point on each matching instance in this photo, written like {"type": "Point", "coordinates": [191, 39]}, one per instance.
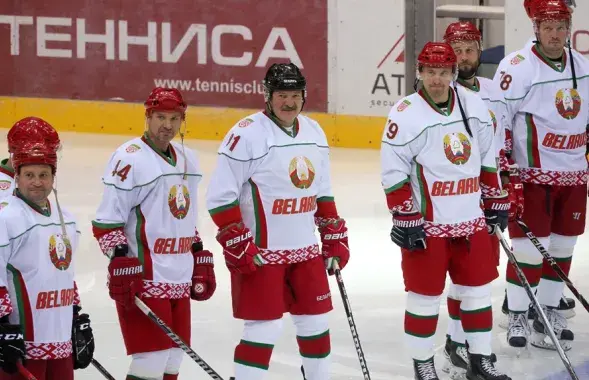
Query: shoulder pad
{"type": "Point", "coordinates": [247, 139]}
{"type": "Point", "coordinates": [401, 127]}
{"type": "Point", "coordinates": [121, 168]}
{"type": "Point", "coordinates": [311, 123]}
{"type": "Point", "coordinates": [474, 106]}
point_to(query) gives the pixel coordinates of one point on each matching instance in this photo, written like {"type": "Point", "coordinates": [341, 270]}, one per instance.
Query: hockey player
{"type": "Point", "coordinates": [546, 93]}
{"type": "Point", "coordinates": [270, 189]}
{"type": "Point", "coordinates": [566, 306]}
{"type": "Point", "coordinates": [438, 159]}
{"type": "Point", "coordinates": [465, 39]}
{"type": "Point", "coordinates": [146, 224]}
{"type": "Point", "coordinates": [40, 322]}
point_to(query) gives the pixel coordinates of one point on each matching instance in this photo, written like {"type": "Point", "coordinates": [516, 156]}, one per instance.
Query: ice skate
{"type": "Point", "coordinates": [540, 337]}
{"type": "Point", "coordinates": [480, 367]}
{"type": "Point", "coordinates": [518, 332]}
{"type": "Point", "coordinates": [425, 369]}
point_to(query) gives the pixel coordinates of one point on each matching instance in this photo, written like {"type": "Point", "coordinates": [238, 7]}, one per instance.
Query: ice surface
{"type": "Point", "coordinates": [373, 280]}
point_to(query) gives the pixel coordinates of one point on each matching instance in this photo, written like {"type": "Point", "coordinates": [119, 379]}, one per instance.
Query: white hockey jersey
{"type": "Point", "coordinates": [6, 179]}
{"type": "Point", "coordinates": [447, 170]}
{"type": "Point", "coordinates": [275, 182]}
{"type": "Point", "coordinates": [548, 116]}
{"type": "Point", "coordinates": [38, 270]}
{"type": "Point", "coordinates": [148, 197]}
{"type": "Point", "coordinates": [493, 98]}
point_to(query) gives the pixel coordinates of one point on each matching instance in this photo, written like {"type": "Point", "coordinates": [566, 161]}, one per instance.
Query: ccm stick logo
{"type": "Point", "coordinates": [11, 336]}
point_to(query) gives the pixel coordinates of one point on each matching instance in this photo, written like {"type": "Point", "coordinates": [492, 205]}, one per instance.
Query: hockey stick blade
{"type": "Point", "coordinates": [102, 370]}
{"type": "Point", "coordinates": [24, 372]}
{"type": "Point", "coordinates": [350, 317]}
{"type": "Point", "coordinates": [176, 339]}
{"type": "Point", "coordinates": [552, 263]}
{"type": "Point", "coordinates": [526, 285]}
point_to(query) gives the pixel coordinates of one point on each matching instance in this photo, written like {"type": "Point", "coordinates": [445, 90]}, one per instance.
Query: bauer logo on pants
{"type": "Point", "coordinates": [457, 148]}
{"type": "Point", "coordinates": [60, 251]}
{"type": "Point", "coordinates": [179, 201]}
{"type": "Point", "coordinates": [301, 172]}
{"type": "Point", "coordinates": [568, 103]}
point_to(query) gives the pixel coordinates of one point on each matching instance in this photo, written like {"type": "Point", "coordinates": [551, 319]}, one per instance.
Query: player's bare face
{"type": "Point", "coordinates": [162, 127]}
{"type": "Point", "coordinates": [552, 35]}
{"type": "Point", "coordinates": [468, 54]}
{"type": "Point", "coordinates": [286, 106]}
{"type": "Point", "coordinates": [35, 183]}
{"type": "Point", "coordinates": [436, 81]}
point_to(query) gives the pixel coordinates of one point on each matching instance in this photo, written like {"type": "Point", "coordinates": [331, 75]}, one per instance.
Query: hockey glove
{"type": "Point", "coordinates": [82, 339]}
{"type": "Point", "coordinates": [496, 212]}
{"type": "Point", "coordinates": [12, 347]}
{"type": "Point", "coordinates": [408, 231]}
{"type": "Point", "coordinates": [334, 241]}
{"type": "Point", "coordinates": [125, 277]}
{"type": "Point", "coordinates": [203, 274]}
{"type": "Point", "coordinates": [515, 190]}
{"type": "Point", "coordinates": [241, 254]}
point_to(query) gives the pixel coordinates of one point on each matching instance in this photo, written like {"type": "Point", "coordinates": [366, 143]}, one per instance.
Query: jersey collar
{"type": "Point", "coordinates": [423, 93]}
{"type": "Point", "coordinates": [295, 130]}
{"type": "Point", "coordinates": [536, 49]}
{"type": "Point", "coordinates": [476, 87]}
{"type": "Point", "coordinates": [170, 160]}
{"type": "Point", "coordinates": [34, 206]}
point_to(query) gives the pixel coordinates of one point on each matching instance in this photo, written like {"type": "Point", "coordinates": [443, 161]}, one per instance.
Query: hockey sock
{"type": "Point", "coordinates": [168, 376]}
{"type": "Point", "coordinates": [530, 261]}
{"type": "Point", "coordinates": [421, 320]}
{"type": "Point", "coordinates": [477, 318]}
{"type": "Point", "coordinates": [314, 345]}
{"type": "Point", "coordinates": [131, 377]}
{"type": "Point", "coordinates": [551, 286]}
{"type": "Point", "coordinates": [455, 331]}
{"type": "Point", "coordinates": [253, 353]}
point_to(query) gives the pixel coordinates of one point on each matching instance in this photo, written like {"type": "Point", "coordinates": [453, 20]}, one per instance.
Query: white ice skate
{"type": "Point", "coordinates": [541, 339]}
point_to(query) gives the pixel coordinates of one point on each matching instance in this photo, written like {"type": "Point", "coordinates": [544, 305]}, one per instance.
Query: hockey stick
{"type": "Point", "coordinates": [552, 262]}
{"type": "Point", "coordinates": [102, 370]}
{"type": "Point", "coordinates": [526, 285]}
{"type": "Point", "coordinates": [176, 339]}
{"type": "Point", "coordinates": [353, 329]}
{"type": "Point", "coordinates": [24, 372]}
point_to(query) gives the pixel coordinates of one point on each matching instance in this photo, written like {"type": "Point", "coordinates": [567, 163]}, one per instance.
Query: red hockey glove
{"type": "Point", "coordinates": [496, 212]}
{"type": "Point", "coordinates": [334, 240]}
{"type": "Point", "coordinates": [241, 254]}
{"type": "Point", "coordinates": [125, 277]}
{"type": "Point", "coordinates": [203, 274]}
{"type": "Point", "coordinates": [515, 189]}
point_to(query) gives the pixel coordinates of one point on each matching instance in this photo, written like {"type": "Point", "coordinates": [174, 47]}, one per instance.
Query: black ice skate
{"type": "Point", "coordinates": [425, 369]}
{"type": "Point", "coordinates": [518, 331]}
{"type": "Point", "coordinates": [480, 367]}
{"type": "Point", "coordinates": [457, 361]}
{"type": "Point", "coordinates": [540, 337]}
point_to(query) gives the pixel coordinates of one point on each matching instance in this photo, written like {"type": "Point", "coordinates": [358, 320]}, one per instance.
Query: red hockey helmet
{"type": "Point", "coordinates": [551, 10]}
{"type": "Point", "coordinates": [530, 6]}
{"type": "Point", "coordinates": [462, 31]}
{"type": "Point", "coordinates": [34, 152]}
{"type": "Point", "coordinates": [437, 54]}
{"type": "Point", "coordinates": [165, 99]}
{"type": "Point", "coordinates": [32, 128]}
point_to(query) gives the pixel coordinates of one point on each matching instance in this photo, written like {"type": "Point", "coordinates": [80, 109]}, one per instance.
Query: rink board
{"type": "Point", "coordinates": [207, 123]}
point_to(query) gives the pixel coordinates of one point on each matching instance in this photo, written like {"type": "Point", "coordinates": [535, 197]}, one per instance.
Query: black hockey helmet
{"type": "Point", "coordinates": [284, 76]}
